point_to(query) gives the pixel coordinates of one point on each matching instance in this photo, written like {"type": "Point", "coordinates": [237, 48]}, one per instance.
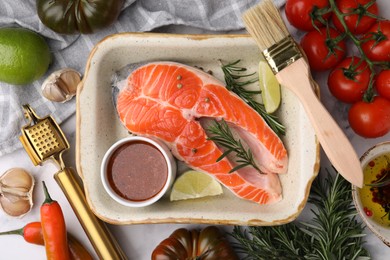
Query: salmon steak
{"type": "Point", "coordinates": [169, 100]}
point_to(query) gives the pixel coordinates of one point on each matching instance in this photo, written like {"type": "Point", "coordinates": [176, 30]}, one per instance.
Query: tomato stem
{"type": "Point", "coordinates": [317, 15]}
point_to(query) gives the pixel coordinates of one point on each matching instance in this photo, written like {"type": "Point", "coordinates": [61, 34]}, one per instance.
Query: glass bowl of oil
{"type": "Point", "coordinates": [372, 201]}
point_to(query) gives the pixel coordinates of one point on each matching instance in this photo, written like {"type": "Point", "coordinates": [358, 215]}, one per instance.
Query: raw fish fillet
{"type": "Point", "coordinates": [167, 100]}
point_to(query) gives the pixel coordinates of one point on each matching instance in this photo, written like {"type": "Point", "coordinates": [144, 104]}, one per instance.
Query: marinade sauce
{"type": "Point", "coordinates": [137, 171]}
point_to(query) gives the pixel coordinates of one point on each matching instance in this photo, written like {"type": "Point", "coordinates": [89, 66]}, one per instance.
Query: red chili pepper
{"type": "Point", "coordinates": [54, 229]}
{"type": "Point", "coordinates": [32, 233]}
{"type": "Point", "coordinates": [77, 250]}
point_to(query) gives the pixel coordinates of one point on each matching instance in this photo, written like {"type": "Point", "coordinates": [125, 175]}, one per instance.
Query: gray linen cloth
{"type": "Point", "coordinates": [72, 51]}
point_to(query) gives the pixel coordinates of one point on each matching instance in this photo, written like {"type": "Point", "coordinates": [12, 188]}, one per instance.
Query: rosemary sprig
{"type": "Point", "coordinates": [275, 243]}
{"type": "Point", "coordinates": [333, 233]}
{"type": "Point", "coordinates": [385, 179]}
{"type": "Point", "coordinates": [222, 135]}
{"type": "Point", "coordinates": [233, 78]}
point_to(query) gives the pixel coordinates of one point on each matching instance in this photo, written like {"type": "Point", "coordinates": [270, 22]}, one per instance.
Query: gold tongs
{"type": "Point", "coordinates": [43, 139]}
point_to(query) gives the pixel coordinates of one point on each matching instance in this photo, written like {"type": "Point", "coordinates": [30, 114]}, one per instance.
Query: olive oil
{"type": "Point", "coordinates": [376, 200]}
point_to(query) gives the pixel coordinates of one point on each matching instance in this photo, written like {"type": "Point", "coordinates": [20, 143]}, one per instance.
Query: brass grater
{"type": "Point", "coordinates": [43, 140]}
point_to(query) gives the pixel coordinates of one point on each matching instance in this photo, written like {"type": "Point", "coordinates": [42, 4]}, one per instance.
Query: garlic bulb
{"type": "Point", "coordinates": [16, 187]}
{"type": "Point", "coordinates": [61, 85]}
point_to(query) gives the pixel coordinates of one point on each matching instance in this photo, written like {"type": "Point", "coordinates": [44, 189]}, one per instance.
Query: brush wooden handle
{"type": "Point", "coordinates": [335, 144]}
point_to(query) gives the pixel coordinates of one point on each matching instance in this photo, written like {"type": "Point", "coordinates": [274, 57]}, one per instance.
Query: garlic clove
{"type": "Point", "coordinates": [61, 85]}
{"type": "Point", "coordinates": [16, 187]}
{"type": "Point", "coordinates": [17, 208]}
{"type": "Point", "coordinates": [16, 177]}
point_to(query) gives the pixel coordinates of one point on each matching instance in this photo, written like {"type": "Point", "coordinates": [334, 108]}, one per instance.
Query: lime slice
{"type": "Point", "coordinates": [193, 184]}
{"type": "Point", "coordinates": [270, 87]}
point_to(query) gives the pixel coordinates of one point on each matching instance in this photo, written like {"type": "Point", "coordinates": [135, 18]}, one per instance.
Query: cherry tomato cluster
{"type": "Point", "coordinates": [358, 75]}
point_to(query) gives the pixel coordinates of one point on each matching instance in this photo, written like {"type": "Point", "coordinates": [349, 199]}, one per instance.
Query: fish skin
{"type": "Point", "coordinates": [167, 99]}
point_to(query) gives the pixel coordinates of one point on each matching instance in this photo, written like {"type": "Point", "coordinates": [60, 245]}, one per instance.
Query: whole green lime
{"type": "Point", "coordinates": [24, 56]}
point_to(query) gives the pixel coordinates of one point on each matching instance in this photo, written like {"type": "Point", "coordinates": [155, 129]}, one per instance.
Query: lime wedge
{"type": "Point", "coordinates": [270, 88]}
{"type": "Point", "coordinates": [193, 184]}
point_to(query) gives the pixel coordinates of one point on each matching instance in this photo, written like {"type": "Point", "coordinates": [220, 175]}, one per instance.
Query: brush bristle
{"type": "Point", "coordinates": [265, 24]}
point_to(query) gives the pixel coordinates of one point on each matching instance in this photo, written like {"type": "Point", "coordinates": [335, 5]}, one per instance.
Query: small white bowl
{"type": "Point", "coordinates": [169, 159]}
{"type": "Point", "coordinates": [378, 229]}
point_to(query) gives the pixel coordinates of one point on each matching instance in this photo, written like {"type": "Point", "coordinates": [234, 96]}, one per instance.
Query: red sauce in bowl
{"type": "Point", "coordinates": [137, 171]}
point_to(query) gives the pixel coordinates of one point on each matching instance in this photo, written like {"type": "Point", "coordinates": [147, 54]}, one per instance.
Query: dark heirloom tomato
{"type": "Point", "coordinates": [377, 46]}
{"type": "Point", "coordinates": [347, 83]}
{"type": "Point", "coordinates": [370, 119]}
{"type": "Point", "coordinates": [74, 16]}
{"type": "Point", "coordinates": [322, 52]}
{"type": "Point", "coordinates": [356, 23]}
{"type": "Point", "coordinates": [299, 13]}
{"type": "Point", "coordinates": [208, 244]}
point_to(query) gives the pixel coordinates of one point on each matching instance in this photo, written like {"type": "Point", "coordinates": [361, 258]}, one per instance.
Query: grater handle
{"type": "Point", "coordinates": [100, 237]}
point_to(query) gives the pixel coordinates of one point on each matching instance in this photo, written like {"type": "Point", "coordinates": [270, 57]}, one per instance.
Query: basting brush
{"type": "Point", "coordinates": [287, 62]}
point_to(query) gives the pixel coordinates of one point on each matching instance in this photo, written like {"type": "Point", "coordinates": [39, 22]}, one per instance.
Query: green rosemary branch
{"type": "Point", "coordinates": [222, 135]}
{"type": "Point", "coordinates": [385, 179]}
{"type": "Point", "coordinates": [333, 233]}
{"type": "Point", "coordinates": [233, 78]}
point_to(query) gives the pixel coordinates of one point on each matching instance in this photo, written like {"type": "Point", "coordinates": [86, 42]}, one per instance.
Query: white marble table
{"type": "Point", "coordinates": [138, 241]}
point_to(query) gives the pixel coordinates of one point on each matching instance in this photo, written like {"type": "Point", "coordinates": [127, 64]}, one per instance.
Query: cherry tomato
{"type": "Point", "coordinates": [322, 52]}
{"type": "Point", "coordinates": [382, 84]}
{"type": "Point", "coordinates": [347, 82]}
{"type": "Point", "coordinates": [300, 12]}
{"type": "Point", "coordinates": [378, 47]}
{"type": "Point", "coordinates": [371, 119]}
{"type": "Point", "coordinates": [356, 23]}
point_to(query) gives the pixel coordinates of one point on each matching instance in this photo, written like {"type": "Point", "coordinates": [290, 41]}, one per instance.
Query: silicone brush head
{"type": "Point", "coordinates": [42, 138]}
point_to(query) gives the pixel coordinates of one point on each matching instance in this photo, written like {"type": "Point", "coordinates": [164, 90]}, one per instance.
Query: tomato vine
{"type": "Point", "coordinates": [369, 93]}
{"type": "Point", "coordinates": [358, 24]}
